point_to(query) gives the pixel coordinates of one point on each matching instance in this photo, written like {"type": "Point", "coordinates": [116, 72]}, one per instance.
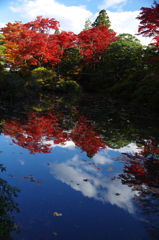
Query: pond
{"type": "Point", "coordinates": [79, 169]}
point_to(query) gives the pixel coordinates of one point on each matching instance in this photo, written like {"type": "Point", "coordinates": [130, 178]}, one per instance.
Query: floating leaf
{"type": "Point", "coordinates": [86, 180]}
{"type": "Point", "coordinates": [56, 214]}
{"type": "Point", "coordinates": [117, 194]}
{"type": "Point", "coordinates": [110, 169]}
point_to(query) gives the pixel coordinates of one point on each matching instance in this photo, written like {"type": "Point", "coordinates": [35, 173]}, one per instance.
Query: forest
{"type": "Point", "coordinates": [36, 58]}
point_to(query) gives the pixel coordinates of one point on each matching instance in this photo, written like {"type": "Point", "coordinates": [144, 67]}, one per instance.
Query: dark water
{"type": "Point", "coordinates": [86, 170]}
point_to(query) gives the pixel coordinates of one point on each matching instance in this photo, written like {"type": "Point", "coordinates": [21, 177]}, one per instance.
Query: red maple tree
{"type": "Point", "coordinates": [95, 41]}
{"type": "Point", "coordinates": [149, 22]}
{"type": "Point", "coordinates": [36, 42]}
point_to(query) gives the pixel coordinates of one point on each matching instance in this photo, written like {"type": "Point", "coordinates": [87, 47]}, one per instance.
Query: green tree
{"type": "Point", "coordinates": [124, 56]}
{"type": "Point", "coordinates": [7, 205]}
{"type": "Point", "coordinates": [102, 19]}
{"type": "Point", "coordinates": [2, 49]}
{"type": "Point", "coordinates": [87, 25]}
{"type": "Point", "coordinates": [121, 62]}
{"type": "Point", "coordinates": [70, 65]}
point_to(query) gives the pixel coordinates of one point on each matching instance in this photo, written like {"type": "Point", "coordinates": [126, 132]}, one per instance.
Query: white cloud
{"type": "Point", "coordinates": [68, 144]}
{"type": "Point", "coordinates": [72, 18]}
{"type": "Point", "coordinates": [21, 162]}
{"type": "Point", "coordinates": [99, 158]}
{"type": "Point", "coordinates": [73, 172]}
{"type": "Point", "coordinates": [126, 22]}
{"type": "Point", "coordinates": [130, 148]}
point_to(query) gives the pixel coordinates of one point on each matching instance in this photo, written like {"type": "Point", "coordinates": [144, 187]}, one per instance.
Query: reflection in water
{"type": "Point", "coordinates": [141, 173]}
{"type": "Point", "coordinates": [87, 179]}
{"type": "Point", "coordinates": [133, 188]}
{"type": "Point", "coordinates": [7, 205]}
{"type": "Point", "coordinates": [85, 136]}
{"type": "Point", "coordinates": [39, 129]}
{"type": "Point", "coordinates": [34, 132]}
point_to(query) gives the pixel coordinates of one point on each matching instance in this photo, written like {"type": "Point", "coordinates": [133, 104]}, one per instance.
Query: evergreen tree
{"type": "Point", "coordinates": [87, 25]}
{"type": "Point", "coordinates": [102, 19]}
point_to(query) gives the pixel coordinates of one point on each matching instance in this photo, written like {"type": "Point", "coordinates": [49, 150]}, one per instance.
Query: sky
{"type": "Point", "coordinates": [72, 14]}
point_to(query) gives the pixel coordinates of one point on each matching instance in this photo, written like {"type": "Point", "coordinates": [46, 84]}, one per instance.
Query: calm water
{"type": "Point", "coordinates": [85, 171]}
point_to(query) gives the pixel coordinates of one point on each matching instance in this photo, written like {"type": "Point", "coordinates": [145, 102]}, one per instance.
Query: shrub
{"type": "Point", "coordinates": [148, 90]}
{"type": "Point", "coordinates": [11, 86]}
{"type": "Point", "coordinates": [70, 87]}
{"type": "Point", "coordinates": [45, 77]}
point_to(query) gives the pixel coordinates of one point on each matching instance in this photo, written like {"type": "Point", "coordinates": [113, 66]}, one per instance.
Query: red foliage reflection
{"type": "Point", "coordinates": [143, 167]}
{"type": "Point", "coordinates": [35, 133]}
{"type": "Point", "coordinates": [85, 137]}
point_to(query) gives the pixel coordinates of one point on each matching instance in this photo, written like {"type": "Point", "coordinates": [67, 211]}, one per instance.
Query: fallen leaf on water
{"type": "Point", "coordinates": [56, 214]}
{"type": "Point", "coordinates": [86, 180]}
{"type": "Point", "coordinates": [117, 194]}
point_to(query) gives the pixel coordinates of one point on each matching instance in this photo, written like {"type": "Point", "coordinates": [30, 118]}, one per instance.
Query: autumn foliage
{"type": "Point", "coordinates": [86, 137]}
{"type": "Point", "coordinates": [142, 167]}
{"type": "Point", "coordinates": [41, 130]}
{"type": "Point", "coordinates": [39, 42]}
{"type": "Point", "coordinates": [95, 41]}
{"type": "Point", "coordinates": [149, 22]}
{"type": "Point", "coordinates": [36, 133]}
{"type": "Point", "coordinates": [36, 42]}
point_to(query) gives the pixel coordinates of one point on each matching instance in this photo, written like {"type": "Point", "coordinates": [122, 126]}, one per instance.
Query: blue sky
{"type": "Point", "coordinates": [72, 13]}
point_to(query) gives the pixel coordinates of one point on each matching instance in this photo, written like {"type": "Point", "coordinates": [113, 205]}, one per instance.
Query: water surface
{"type": "Point", "coordinates": [84, 171]}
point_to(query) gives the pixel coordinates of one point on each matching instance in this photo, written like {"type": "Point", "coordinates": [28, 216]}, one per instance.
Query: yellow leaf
{"type": "Point", "coordinates": [57, 214]}
{"type": "Point", "coordinates": [110, 169]}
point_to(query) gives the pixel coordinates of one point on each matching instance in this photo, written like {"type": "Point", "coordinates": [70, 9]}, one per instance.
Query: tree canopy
{"type": "Point", "coordinates": [149, 22]}
{"type": "Point", "coordinates": [102, 19]}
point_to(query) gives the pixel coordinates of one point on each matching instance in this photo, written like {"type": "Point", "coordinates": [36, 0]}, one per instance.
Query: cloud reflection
{"type": "Point", "coordinates": [75, 173]}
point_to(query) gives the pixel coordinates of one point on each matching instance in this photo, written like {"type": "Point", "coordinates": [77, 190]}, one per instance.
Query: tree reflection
{"type": "Point", "coordinates": [35, 133]}
{"type": "Point", "coordinates": [41, 130]}
{"type": "Point", "coordinates": [7, 205]}
{"type": "Point", "coordinates": [85, 137]}
{"type": "Point", "coordinates": [141, 172]}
